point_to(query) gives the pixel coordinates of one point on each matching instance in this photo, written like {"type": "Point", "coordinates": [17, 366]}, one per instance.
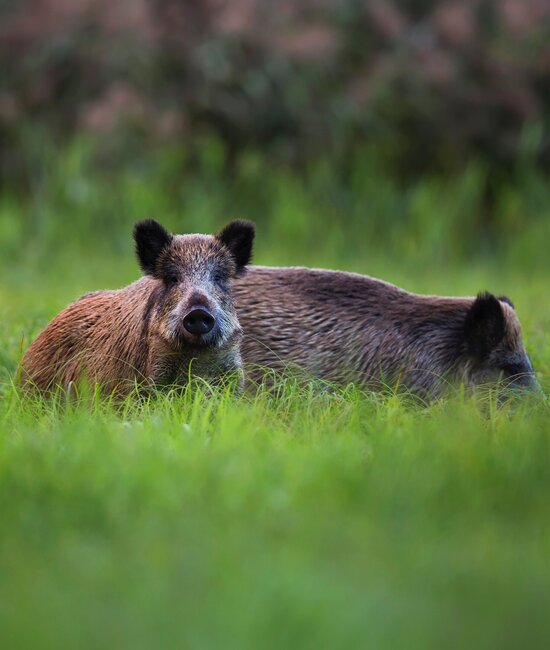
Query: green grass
{"type": "Point", "coordinates": [304, 518]}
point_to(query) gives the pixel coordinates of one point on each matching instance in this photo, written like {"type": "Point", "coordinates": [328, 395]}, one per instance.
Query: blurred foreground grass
{"type": "Point", "coordinates": [306, 520]}
{"type": "Point", "coordinates": [302, 519]}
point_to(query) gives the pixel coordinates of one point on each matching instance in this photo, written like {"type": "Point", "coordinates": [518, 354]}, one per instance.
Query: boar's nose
{"type": "Point", "coordinates": [198, 321]}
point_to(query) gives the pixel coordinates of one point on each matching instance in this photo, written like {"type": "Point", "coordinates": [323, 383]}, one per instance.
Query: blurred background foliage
{"type": "Point", "coordinates": [428, 84]}
{"type": "Point", "coordinates": [419, 128]}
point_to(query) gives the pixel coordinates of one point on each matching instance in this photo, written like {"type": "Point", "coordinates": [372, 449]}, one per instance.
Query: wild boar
{"type": "Point", "coordinates": [177, 321]}
{"type": "Point", "coordinates": [347, 327]}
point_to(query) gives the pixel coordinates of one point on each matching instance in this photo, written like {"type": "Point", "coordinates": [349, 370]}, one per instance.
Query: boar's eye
{"type": "Point", "coordinates": [171, 279]}
{"type": "Point", "coordinates": [513, 369]}
{"type": "Point", "coordinates": [219, 278]}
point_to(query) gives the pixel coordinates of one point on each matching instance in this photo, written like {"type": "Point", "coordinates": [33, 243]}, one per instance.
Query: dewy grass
{"type": "Point", "coordinates": [300, 515]}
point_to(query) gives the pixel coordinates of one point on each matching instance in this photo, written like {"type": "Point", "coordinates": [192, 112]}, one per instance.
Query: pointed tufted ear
{"type": "Point", "coordinates": [506, 300]}
{"type": "Point", "coordinates": [238, 237]}
{"type": "Point", "coordinates": [151, 239]}
{"type": "Point", "coordinates": [484, 325]}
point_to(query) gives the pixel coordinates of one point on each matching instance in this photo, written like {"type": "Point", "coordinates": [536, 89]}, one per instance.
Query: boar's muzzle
{"type": "Point", "coordinates": [199, 321]}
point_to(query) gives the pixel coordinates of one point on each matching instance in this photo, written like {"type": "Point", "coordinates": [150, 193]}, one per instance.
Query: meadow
{"type": "Point", "coordinates": [300, 518]}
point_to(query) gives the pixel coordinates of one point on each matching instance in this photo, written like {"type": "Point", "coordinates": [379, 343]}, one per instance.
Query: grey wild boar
{"type": "Point", "coordinates": [347, 327]}
{"type": "Point", "coordinates": [177, 321]}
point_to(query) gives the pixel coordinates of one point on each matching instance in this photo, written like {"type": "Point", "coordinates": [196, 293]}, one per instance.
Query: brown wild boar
{"type": "Point", "coordinates": [178, 320]}
{"type": "Point", "coordinates": [343, 326]}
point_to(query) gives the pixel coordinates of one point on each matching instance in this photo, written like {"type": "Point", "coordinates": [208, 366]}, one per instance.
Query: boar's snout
{"type": "Point", "coordinates": [199, 320]}
{"type": "Point", "coordinates": [523, 377]}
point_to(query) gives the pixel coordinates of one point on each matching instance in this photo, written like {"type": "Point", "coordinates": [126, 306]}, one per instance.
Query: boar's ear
{"type": "Point", "coordinates": [238, 237]}
{"type": "Point", "coordinates": [506, 300]}
{"type": "Point", "coordinates": [484, 325]}
{"type": "Point", "coordinates": [151, 239]}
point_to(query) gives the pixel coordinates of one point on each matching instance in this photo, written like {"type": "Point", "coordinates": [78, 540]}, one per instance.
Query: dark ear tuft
{"type": "Point", "coordinates": [151, 239]}
{"type": "Point", "coordinates": [238, 236]}
{"type": "Point", "coordinates": [484, 325]}
{"type": "Point", "coordinates": [506, 300]}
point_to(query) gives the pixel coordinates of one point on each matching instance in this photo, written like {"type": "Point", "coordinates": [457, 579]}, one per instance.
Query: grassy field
{"type": "Point", "coordinates": [300, 519]}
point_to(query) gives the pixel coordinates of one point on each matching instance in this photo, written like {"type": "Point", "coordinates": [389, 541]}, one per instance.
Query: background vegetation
{"type": "Point", "coordinates": [428, 84]}
{"type": "Point", "coordinates": [405, 140]}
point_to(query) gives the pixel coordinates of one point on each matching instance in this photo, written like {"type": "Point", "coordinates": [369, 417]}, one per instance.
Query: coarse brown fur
{"type": "Point", "coordinates": [135, 335]}
{"type": "Point", "coordinates": [347, 327]}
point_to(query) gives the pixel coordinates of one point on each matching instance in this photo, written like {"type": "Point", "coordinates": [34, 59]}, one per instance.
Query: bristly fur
{"type": "Point", "coordinates": [151, 239]}
{"type": "Point", "coordinates": [238, 236]}
{"type": "Point", "coordinates": [345, 327]}
{"type": "Point", "coordinates": [137, 334]}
